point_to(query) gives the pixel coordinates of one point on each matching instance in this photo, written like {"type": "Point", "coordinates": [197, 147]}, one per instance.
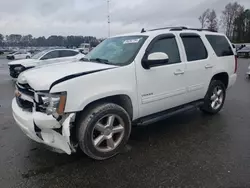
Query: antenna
{"type": "Point", "coordinates": [108, 1]}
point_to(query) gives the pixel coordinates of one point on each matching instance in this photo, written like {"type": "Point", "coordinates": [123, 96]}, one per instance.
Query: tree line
{"type": "Point", "coordinates": [234, 20]}
{"type": "Point", "coordinates": [54, 40]}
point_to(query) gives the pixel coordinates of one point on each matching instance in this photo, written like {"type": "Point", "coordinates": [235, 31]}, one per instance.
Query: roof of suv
{"type": "Point", "coordinates": [159, 31]}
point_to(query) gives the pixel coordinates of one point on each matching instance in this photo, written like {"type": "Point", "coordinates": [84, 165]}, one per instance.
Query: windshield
{"type": "Point", "coordinates": [117, 51]}
{"type": "Point", "coordinates": [38, 55]}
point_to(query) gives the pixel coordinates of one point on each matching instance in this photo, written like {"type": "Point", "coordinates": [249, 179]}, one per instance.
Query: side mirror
{"type": "Point", "coordinates": [155, 59]}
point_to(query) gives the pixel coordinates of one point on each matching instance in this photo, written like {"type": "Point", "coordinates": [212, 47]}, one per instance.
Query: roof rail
{"type": "Point", "coordinates": [180, 28]}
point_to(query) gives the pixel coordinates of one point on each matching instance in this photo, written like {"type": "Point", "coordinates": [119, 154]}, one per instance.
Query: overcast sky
{"type": "Point", "coordinates": [89, 17]}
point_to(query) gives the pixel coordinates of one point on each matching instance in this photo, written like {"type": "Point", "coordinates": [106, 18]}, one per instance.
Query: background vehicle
{"type": "Point", "coordinates": [244, 52]}
{"type": "Point", "coordinates": [130, 79]}
{"type": "Point", "coordinates": [43, 58]}
{"type": "Point", "coordinates": [19, 55]}
{"type": "Point", "coordinates": [85, 48]}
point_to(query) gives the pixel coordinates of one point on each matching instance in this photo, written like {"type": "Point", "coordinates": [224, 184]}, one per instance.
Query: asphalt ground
{"type": "Point", "coordinates": [187, 150]}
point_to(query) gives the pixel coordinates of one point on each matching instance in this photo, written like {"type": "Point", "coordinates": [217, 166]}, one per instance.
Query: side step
{"type": "Point", "coordinates": [168, 113]}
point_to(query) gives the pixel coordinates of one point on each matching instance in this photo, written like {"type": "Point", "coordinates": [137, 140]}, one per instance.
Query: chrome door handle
{"type": "Point", "coordinates": [178, 72]}
{"type": "Point", "coordinates": [209, 66]}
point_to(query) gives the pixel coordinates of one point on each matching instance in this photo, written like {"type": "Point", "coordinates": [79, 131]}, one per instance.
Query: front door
{"type": "Point", "coordinates": [162, 87]}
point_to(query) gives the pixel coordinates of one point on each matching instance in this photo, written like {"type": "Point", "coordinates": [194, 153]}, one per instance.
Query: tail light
{"type": "Point", "coordinates": [236, 64]}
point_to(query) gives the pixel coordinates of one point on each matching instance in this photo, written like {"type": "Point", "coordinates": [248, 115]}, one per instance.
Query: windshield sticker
{"type": "Point", "coordinates": [132, 41]}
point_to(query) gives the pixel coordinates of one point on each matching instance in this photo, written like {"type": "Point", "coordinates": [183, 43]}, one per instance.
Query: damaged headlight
{"type": "Point", "coordinates": [54, 103]}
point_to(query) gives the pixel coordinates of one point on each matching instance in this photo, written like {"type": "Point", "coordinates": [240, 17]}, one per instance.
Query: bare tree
{"type": "Point", "coordinates": [231, 12]}
{"type": "Point", "coordinates": [203, 18]}
{"type": "Point", "coordinates": [212, 21]}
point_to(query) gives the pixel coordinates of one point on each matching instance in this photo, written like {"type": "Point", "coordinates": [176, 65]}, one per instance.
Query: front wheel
{"type": "Point", "coordinates": [215, 97]}
{"type": "Point", "coordinates": [103, 131]}
{"type": "Point", "coordinates": [27, 57]}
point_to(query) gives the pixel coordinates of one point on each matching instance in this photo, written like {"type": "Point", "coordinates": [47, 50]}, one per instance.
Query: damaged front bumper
{"type": "Point", "coordinates": [45, 128]}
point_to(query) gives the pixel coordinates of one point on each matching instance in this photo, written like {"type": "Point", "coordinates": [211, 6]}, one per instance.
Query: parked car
{"type": "Point", "coordinates": [131, 79]}
{"type": "Point", "coordinates": [244, 52]}
{"type": "Point", "coordinates": [43, 58]}
{"type": "Point", "coordinates": [19, 55]}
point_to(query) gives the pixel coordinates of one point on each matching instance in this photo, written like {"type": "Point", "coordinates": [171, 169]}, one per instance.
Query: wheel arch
{"type": "Point", "coordinates": [122, 100]}
{"type": "Point", "coordinates": [223, 77]}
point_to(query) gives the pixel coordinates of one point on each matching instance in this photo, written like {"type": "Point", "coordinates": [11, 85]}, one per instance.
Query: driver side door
{"type": "Point", "coordinates": [162, 87]}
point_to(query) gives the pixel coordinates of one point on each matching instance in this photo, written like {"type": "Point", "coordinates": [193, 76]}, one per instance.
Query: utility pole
{"type": "Point", "coordinates": [108, 1]}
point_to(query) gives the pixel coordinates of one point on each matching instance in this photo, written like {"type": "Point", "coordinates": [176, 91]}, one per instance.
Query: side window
{"type": "Point", "coordinates": [220, 45]}
{"type": "Point", "coordinates": [168, 46]}
{"type": "Point", "coordinates": [67, 53]}
{"type": "Point", "coordinates": [194, 47]}
{"type": "Point", "coordinates": [51, 55]}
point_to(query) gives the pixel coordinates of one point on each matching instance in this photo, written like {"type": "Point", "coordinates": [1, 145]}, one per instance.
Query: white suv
{"type": "Point", "coordinates": [127, 80]}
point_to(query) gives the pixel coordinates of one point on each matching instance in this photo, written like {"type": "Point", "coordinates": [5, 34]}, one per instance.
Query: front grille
{"type": "Point", "coordinates": [26, 105]}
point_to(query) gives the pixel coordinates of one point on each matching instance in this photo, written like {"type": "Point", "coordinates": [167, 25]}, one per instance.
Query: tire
{"type": "Point", "coordinates": [88, 132]}
{"type": "Point", "coordinates": [210, 99]}
{"type": "Point", "coordinates": [28, 57]}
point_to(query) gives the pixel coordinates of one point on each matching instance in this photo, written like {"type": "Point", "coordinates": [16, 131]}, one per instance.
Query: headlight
{"type": "Point", "coordinates": [18, 69]}
{"type": "Point", "coordinates": [54, 103]}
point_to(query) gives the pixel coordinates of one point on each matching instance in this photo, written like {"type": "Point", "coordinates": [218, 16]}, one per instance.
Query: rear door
{"type": "Point", "coordinates": [67, 55]}
{"type": "Point", "coordinates": [199, 65]}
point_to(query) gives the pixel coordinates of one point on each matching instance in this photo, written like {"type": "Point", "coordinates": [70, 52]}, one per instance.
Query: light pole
{"type": "Point", "coordinates": [108, 1]}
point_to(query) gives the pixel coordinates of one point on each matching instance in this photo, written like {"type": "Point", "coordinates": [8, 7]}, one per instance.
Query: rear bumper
{"type": "Point", "coordinates": [39, 127]}
{"type": "Point", "coordinates": [232, 80]}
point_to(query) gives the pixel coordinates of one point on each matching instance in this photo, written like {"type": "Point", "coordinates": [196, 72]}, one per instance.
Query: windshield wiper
{"type": "Point", "coordinates": [99, 60]}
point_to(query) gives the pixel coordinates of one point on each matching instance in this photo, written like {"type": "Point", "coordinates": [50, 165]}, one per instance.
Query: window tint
{"type": "Point", "coordinates": [168, 46]}
{"type": "Point", "coordinates": [67, 53]}
{"type": "Point", "coordinates": [220, 45]}
{"type": "Point", "coordinates": [51, 55]}
{"type": "Point", "coordinates": [194, 47]}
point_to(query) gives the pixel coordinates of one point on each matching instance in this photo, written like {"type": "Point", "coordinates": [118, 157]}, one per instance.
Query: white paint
{"type": "Point", "coordinates": [150, 90]}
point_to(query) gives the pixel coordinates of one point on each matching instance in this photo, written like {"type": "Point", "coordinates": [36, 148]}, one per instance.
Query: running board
{"type": "Point", "coordinates": [167, 113]}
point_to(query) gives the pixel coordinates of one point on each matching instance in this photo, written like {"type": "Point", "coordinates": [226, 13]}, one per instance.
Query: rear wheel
{"type": "Point", "coordinates": [215, 97]}
{"type": "Point", "coordinates": [103, 131]}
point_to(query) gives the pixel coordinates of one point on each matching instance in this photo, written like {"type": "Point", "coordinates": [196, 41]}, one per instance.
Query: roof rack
{"type": "Point", "coordinates": [177, 29]}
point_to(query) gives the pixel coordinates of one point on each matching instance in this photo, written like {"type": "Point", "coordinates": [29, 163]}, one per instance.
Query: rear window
{"type": "Point", "coordinates": [220, 45]}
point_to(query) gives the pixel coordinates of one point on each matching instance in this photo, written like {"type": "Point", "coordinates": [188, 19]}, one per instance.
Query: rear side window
{"type": "Point", "coordinates": [168, 46]}
{"type": "Point", "coordinates": [220, 45]}
{"type": "Point", "coordinates": [67, 53]}
{"type": "Point", "coordinates": [194, 47]}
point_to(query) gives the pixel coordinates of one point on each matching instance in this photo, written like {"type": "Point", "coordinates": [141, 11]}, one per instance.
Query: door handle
{"type": "Point", "coordinates": [208, 66]}
{"type": "Point", "coordinates": [178, 72]}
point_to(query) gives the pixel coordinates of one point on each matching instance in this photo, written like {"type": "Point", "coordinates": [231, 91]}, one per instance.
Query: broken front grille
{"type": "Point", "coordinates": [26, 105]}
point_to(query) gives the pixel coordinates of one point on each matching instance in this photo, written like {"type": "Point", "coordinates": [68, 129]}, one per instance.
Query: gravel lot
{"type": "Point", "coordinates": [188, 150]}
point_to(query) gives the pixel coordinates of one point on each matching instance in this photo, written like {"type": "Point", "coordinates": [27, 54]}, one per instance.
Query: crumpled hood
{"type": "Point", "coordinates": [41, 78]}
{"type": "Point", "coordinates": [25, 62]}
